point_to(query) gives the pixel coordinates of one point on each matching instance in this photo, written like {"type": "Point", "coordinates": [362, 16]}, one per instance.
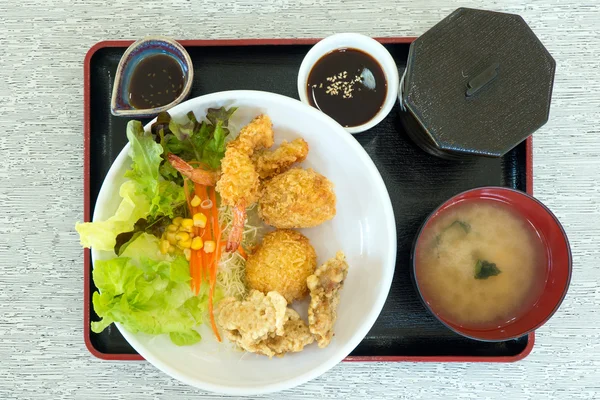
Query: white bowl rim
{"type": "Point", "coordinates": [389, 263]}
{"type": "Point", "coordinates": [369, 46]}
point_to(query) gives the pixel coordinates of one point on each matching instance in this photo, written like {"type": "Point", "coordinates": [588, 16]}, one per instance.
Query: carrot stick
{"type": "Point", "coordinates": [242, 252]}
{"type": "Point", "coordinates": [214, 261]}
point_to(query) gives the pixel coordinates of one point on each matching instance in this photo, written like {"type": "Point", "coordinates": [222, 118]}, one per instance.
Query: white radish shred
{"type": "Point", "coordinates": [231, 275]}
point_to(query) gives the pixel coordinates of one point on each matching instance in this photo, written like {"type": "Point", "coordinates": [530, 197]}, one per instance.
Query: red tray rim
{"type": "Point", "coordinates": [245, 42]}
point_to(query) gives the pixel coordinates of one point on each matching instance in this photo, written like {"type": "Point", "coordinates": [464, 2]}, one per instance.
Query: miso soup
{"type": "Point", "coordinates": [479, 264]}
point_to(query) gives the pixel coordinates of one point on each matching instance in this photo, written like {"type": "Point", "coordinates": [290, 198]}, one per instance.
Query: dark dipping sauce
{"type": "Point", "coordinates": [348, 85]}
{"type": "Point", "coordinates": [156, 81]}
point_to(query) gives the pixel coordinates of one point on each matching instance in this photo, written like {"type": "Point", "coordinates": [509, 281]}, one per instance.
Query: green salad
{"type": "Point", "coordinates": [166, 270]}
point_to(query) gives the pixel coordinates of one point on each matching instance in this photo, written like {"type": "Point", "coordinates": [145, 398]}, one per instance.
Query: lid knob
{"type": "Point", "coordinates": [481, 80]}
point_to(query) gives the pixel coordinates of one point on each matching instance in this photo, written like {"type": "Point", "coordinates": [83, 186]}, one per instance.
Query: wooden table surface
{"type": "Point", "coordinates": [42, 47]}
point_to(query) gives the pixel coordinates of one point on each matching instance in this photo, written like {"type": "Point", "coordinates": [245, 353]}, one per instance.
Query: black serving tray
{"type": "Point", "coordinates": [417, 183]}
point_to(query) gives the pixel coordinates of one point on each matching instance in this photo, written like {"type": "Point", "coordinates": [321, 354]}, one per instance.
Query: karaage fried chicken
{"type": "Point", "coordinates": [325, 286]}
{"type": "Point", "coordinates": [263, 324]}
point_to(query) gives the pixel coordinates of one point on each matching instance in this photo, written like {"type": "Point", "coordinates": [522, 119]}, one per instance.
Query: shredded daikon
{"type": "Point", "coordinates": [232, 266]}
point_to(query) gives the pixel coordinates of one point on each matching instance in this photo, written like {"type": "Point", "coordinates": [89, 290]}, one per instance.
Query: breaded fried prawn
{"type": "Point", "coordinates": [239, 183]}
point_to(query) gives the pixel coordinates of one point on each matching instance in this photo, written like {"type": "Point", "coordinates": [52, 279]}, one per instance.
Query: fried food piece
{"type": "Point", "coordinates": [257, 134]}
{"type": "Point", "coordinates": [269, 163]}
{"type": "Point", "coordinates": [254, 319]}
{"type": "Point", "coordinates": [298, 198]}
{"type": "Point", "coordinates": [325, 286]}
{"type": "Point", "coordinates": [281, 263]}
{"type": "Point", "coordinates": [295, 337]}
{"type": "Point", "coordinates": [239, 182]}
{"type": "Point", "coordinates": [239, 179]}
{"type": "Point", "coordinates": [263, 324]}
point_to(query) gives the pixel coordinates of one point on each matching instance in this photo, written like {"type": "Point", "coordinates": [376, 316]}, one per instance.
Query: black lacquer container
{"type": "Point", "coordinates": [476, 84]}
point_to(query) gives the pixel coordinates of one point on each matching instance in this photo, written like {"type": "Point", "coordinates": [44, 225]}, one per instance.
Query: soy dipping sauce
{"type": "Point", "coordinates": [348, 85]}
{"type": "Point", "coordinates": [156, 81]}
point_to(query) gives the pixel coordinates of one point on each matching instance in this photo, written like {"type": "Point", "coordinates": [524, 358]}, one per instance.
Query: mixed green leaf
{"type": "Point", "coordinates": [189, 139]}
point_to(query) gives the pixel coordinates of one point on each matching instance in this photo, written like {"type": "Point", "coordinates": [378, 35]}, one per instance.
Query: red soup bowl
{"type": "Point", "coordinates": [558, 265]}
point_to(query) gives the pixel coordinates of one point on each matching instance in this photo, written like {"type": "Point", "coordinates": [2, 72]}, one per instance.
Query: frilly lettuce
{"type": "Point", "coordinates": [145, 194]}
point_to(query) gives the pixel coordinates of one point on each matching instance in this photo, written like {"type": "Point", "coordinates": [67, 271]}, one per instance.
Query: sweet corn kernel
{"type": "Point", "coordinates": [187, 229]}
{"type": "Point", "coordinates": [164, 246]}
{"type": "Point", "coordinates": [197, 243]}
{"type": "Point", "coordinates": [172, 237]}
{"type": "Point", "coordinates": [171, 249]}
{"type": "Point", "coordinates": [187, 223]}
{"type": "Point", "coordinates": [199, 220]}
{"type": "Point", "coordinates": [209, 246]}
{"type": "Point", "coordinates": [177, 221]}
{"type": "Point", "coordinates": [172, 228]}
{"type": "Point", "coordinates": [185, 244]}
{"type": "Point", "coordinates": [187, 253]}
{"type": "Point", "coordinates": [182, 236]}
{"type": "Point", "coordinates": [195, 201]}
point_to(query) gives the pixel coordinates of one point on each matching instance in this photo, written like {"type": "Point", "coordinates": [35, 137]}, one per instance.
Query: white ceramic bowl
{"type": "Point", "coordinates": [363, 228]}
{"type": "Point", "coordinates": [367, 45]}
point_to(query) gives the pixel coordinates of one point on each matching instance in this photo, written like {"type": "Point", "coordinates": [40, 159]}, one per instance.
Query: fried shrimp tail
{"type": "Point", "coordinates": [196, 175]}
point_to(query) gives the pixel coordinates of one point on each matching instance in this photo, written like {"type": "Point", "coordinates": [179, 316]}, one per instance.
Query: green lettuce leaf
{"type": "Point", "coordinates": [102, 234]}
{"type": "Point", "coordinates": [148, 295]}
{"type": "Point", "coordinates": [145, 194]}
{"type": "Point", "coordinates": [184, 339]}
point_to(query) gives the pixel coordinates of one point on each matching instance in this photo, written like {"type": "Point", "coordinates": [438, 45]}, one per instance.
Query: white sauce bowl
{"type": "Point", "coordinates": [367, 45]}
